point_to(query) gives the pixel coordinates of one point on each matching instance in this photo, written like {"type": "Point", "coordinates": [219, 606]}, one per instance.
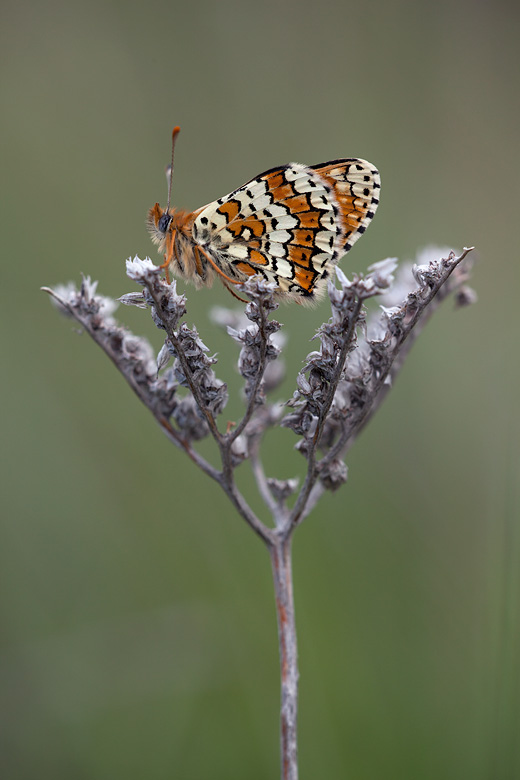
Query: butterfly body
{"type": "Point", "coordinates": [290, 224]}
{"type": "Point", "coordinates": [172, 231]}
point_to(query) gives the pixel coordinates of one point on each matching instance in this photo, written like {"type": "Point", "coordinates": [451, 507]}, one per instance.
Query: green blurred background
{"type": "Point", "coordinates": [139, 634]}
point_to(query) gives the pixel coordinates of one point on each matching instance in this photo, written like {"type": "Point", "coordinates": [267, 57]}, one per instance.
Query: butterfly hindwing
{"type": "Point", "coordinates": [291, 224]}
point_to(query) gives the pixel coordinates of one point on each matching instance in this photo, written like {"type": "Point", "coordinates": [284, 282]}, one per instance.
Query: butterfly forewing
{"type": "Point", "coordinates": [291, 224]}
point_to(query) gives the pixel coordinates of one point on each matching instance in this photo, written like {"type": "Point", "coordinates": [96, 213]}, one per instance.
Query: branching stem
{"type": "Point", "coordinates": [361, 391]}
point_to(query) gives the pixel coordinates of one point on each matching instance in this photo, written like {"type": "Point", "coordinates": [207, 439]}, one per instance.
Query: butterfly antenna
{"type": "Point", "coordinates": [175, 132]}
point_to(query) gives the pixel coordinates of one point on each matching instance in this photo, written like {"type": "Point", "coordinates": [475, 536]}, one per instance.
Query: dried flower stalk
{"type": "Point", "coordinates": [338, 390]}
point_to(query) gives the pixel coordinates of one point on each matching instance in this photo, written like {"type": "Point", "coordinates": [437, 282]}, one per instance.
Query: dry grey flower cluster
{"type": "Point", "coordinates": [340, 386]}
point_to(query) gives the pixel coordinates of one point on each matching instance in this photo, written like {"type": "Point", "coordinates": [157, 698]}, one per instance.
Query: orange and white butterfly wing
{"type": "Point", "coordinates": [291, 224]}
{"type": "Point", "coordinates": [356, 184]}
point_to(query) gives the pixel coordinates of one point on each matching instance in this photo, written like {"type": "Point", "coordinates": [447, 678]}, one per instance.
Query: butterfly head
{"type": "Point", "coordinates": [159, 222]}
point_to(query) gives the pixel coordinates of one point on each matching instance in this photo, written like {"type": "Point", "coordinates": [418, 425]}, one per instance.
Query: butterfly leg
{"type": "Point", "coordinates": [165, 265]}
{"type": "Point", "coordinates": [223, 277]}
{"type": "Point", "coordinates": [233, 293]}
{"type": "Point", "coordinates": [198, 263]}
{"type": "Point", "coordinates": [169, 255]}
{"type": "Point", "coordinates": [215, 266]}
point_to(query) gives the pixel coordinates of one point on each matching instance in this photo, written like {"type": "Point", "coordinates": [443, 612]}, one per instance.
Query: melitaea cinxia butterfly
{"type": "Point", "coordinates": [290, 225]}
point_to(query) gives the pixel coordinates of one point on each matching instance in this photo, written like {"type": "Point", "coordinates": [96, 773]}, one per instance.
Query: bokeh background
{"type": "Point", "coordinates": [138, 626]}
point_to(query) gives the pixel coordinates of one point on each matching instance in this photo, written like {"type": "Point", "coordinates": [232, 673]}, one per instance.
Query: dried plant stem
{"type": "Point", "coordinates": [312, 471]}
{"type": "Point", "coordinates": [278, 512]}
{"type": "Point", "coordinates": [281, 563]}
{"type": "Point", "coordinates": [173, 436]}
{"type": "Point", "coordinates": [260, 371]}
{"type": "Point", "coordinates": [411, 329]}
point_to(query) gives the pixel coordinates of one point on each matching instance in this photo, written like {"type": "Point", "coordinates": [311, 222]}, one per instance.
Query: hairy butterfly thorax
{"type": "Point", "coordinates": [172, 231]}
{"type": "Point", "coordinates": [290, 224]}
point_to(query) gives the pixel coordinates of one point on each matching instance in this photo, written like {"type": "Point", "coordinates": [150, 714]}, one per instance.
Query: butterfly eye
{"type": "Point", "coordinates": [164, 223]}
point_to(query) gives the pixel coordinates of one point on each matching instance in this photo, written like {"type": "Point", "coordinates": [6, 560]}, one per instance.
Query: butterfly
{"type": "Point", "coordinates": [290, 224]}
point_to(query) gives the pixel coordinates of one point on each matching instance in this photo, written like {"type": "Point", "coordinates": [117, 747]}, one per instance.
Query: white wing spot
{"type": "Point", "coordinates": [284, 268]}
{"type": "Point", "coordinates": [286, 222]}
{"type": "Point", "coordinates": [320, 201]}
{"type": "Point", "coordinates": [279, 210]}
{"type": "Point", "coordinates": [295, 171]}
{"type": "Point", "coordinates": [280, 236]}
{"type": "Point", "coordinates": [323, 241]}
{"type": "Point", "coordinates": [239, 251]}
{"type": "Point", "coordinates": [276, 249]}
{"type": "Point", "coordinates": [256, 189]}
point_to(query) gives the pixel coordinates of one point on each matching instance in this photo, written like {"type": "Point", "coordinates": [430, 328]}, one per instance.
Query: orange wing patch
{"type": "Point", "coordinates": [258, 258]}
{"type": "Point", "coordinates": [282, 192]}
{"type": "Point", "coordinates": [303, 238]}
{"type": "Point", "coordinates": [274, 179]}
{"type": "Point", "coordinates": [240, 227]}
{"type": "Point", "coordinates": [310, 220]}
{"type": "Point", "coordinates": [297, 204]}
{"type": "Point", "coordinates": [304, 277]}
{"type": "Point", "coordinates": [299, 255]}
{"type": "Point", "coordinates": [230, 209]}
{"type": "Point", "coordinates": [246, 269]}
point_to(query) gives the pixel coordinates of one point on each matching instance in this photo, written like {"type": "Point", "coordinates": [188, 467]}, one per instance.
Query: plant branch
{"type": "Point", "coordinates": [114, 341]}
{"type": "Point", "coordinates": [259, 374]}
{"type": "Point", "coordinates": [282, 576]}
{"type": "Point", "coordinates": [164, 314]}
{"type": "Point", "coordinates": [312, 474]}
{"type": "Point", "coordinates": [413, 319]}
